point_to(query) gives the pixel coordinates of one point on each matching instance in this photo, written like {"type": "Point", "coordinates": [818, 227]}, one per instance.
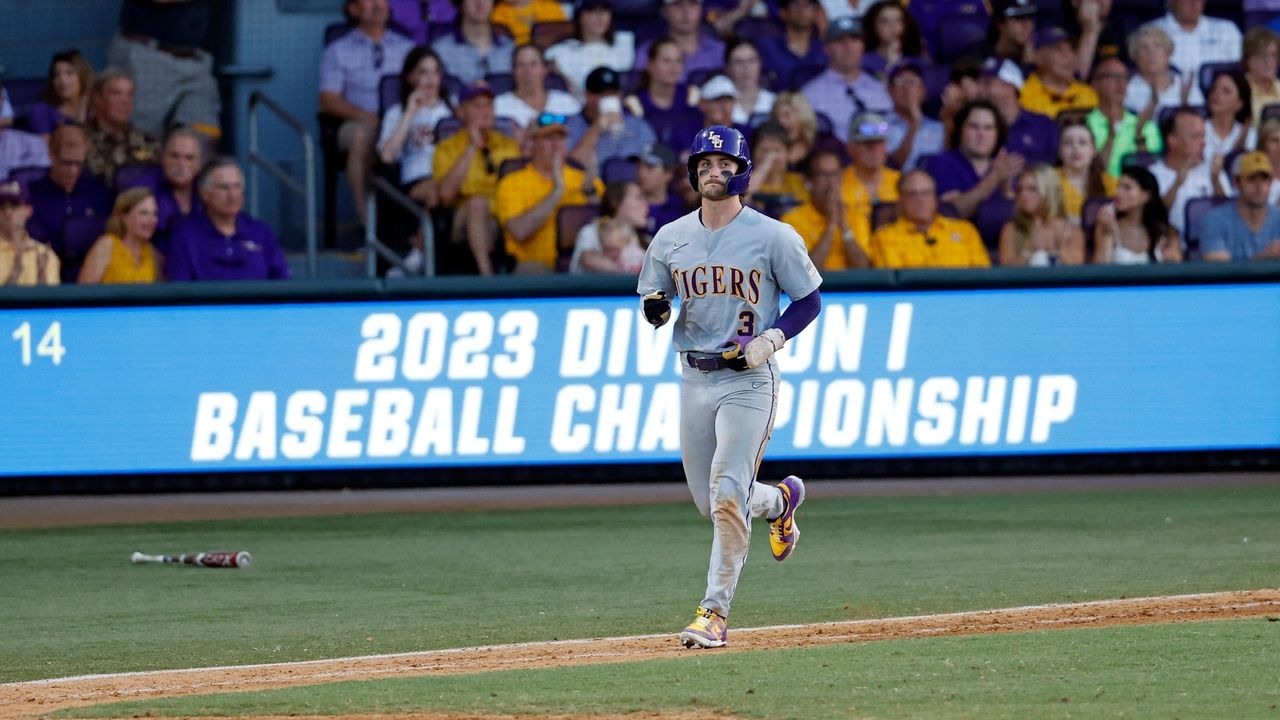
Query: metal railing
{"type": "Point", "coordinates": [305, 189]}
{"type": "Point", "coordinates": [375, 247]}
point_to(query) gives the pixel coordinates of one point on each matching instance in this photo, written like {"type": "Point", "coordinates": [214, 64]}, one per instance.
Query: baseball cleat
{"type": "Point", "coordinates": [708, 630]}
{"type": "Point", "coordinates": [783, 531]}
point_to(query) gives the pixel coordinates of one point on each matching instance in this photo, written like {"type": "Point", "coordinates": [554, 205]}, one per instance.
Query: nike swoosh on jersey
{"type": "Point", "coordinates": [755, 386]}
{"type": "Point", "coordinates": [678, 247]}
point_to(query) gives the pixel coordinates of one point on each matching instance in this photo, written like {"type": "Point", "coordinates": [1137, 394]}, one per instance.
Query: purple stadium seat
{"type": "Point", "coordinates": [388, 93]}
{"type": "Point", "coordinates": [570, 219]}
{"type": "Point", "coordinates": [618, 170]}
{"type": "Point", "coordinates": [447, 126]}
{"type": "Point", "coordinates": [1089, 220]}
{"type": "Point", "coordinates": [545, 34]}
{"type": "Point", "coordinates": [1209, 71]}
{"type": "Point", "coordinates": [1195, 212]}
{"type": "Point", "coordinates": [78, 235]}
{"type": "Point", "coordinates": [133, 175]}
{"type": "Point", "coordinates": [27, 174]}
{"type": "Point", "coordinates": [1270, 111]}
{"type": "Point", "coordinates": [990, 217]}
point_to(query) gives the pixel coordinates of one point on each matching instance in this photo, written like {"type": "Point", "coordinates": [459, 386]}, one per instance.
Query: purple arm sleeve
{"type": "Point", "coordinates": [799, 314]}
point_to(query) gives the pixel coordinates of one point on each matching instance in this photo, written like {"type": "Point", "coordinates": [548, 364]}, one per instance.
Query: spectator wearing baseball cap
{"type": "Point", "coordinates": [1011, 32]}
{"type": "Point", "coordinates": [595, 43]}
{"type": "Point", "coordinates": [700, 49]}
{"type": "Point", "coordinates": [656, 167]}
{"type": "Point", "coordinates": [911, 134]}
{"type": "Point", "coordinates": [23, 261]}
{"type": "Point", "coordinates": [604, 130]}
{"type": "Point", "coordinates": [798, 45]}
{"type": "Point", "coordinates": [518, 16]}
{"type": "Point", "coordinates": [466, 170]}
{"type": "Point", "coordinates": [843, 89]}
{"type": "Point", "coordinates": [1030, 134]}
{"type": "Point", "coordinates": [868, 180]}
{"type": "Point", "coordinates": [1053, 87]}
{"type": "Point", "coordinates": [1249, 228]}
{"type": "Point", "coordinates": [717, 99]}
{"type": "Point", "coordinates": [529, 198]}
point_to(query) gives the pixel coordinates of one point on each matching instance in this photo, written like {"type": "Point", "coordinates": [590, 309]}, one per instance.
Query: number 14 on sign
{"type": "Point", "coordinates": [50, 344]}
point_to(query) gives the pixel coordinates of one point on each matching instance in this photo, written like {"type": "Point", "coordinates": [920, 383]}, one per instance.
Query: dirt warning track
{"type": "Point", "coordinates": [37, 698]}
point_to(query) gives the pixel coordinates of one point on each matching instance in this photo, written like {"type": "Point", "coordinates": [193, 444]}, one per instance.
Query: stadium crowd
{"type": "Point", "coordinates": [551, 137]}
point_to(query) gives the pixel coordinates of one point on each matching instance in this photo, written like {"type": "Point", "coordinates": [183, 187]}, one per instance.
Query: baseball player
{"type": "Point", "coordinates": [729, 264]}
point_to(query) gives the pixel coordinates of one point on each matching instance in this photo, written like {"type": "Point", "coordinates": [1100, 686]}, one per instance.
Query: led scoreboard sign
{"type": "Point", "coordinates": [586, 380]}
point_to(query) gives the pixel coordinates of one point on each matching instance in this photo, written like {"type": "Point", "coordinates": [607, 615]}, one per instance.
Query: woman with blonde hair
{"type": "Point", "coordinates": [125, 254]}
{"type": "Point", "coordinates": [1040, 234]}
{"type": "Point", "coordinates": [1261, 64]}
{"type": "Point", "coordinates": [794, 113]}
{"type": "Point", "coordinates": [1157, 84]}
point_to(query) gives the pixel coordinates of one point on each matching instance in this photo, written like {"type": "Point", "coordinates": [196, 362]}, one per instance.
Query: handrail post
{"type": "Point", "coordinates": [306, 189]}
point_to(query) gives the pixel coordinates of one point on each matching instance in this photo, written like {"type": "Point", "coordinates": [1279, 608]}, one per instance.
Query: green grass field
{"type": "Point", "coordinates": [356, 585]}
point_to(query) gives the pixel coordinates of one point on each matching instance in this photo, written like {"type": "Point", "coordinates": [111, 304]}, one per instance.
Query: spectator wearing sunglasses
{"type": "Point", "coordinates": [911, 134]}
{"type": "Point", "coordinates": [529, 198]}
{"type": "Point", "coordinates": [867, 180]}
{"type": "Point", "coordinates": [843, 88]}
{"type": "Point", "coordinates": [466, 170]}
{"type": "Point", "coordinates": [921, 237]}
{"type": "Point", "coordinates": [350, 70]}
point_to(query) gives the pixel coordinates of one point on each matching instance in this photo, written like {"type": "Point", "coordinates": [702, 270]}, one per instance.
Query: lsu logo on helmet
{"type": "Point", "coordinates": [717, 142]}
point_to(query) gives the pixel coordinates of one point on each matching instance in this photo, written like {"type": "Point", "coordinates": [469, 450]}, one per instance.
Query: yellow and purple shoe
{"type": "Point", "coordinates": [783, 531]}
{"type": "Point", "coordinates": [708, 630]}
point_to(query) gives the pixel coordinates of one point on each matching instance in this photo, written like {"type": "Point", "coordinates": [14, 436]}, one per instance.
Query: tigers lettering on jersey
{"type": "Point", "coordinates": [703, 280]}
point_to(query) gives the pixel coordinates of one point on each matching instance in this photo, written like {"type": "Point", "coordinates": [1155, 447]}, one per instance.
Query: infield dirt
{"type": "Point", "coordinates": [34, 699]}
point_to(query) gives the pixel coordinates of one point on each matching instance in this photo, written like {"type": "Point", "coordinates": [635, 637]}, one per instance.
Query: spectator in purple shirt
{"type": "Point", "coordinates": [66, 94]}
{"type": "Point", "coordinates": [1031, 135]}
{"type": "Point", "coordinates": [67, 193]}
{"type": "Point", "coordinates": [843, 88]}
{"type": "Point", "coordinates": [223, 243]}
{"type": "Point", "coordinates": [350, 70]}
{"type": "Point", "coordinates": [977, 167]}
{"type": "Point", "coordinates": [173, 184]}
{"type": "Point", "coordinates": [798, 46]}
{"type": "Point", "coordinates": [701, 49]}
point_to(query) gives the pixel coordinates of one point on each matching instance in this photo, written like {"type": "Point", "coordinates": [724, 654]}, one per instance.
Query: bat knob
{"type": "Point", "coordinates": [243, 559]}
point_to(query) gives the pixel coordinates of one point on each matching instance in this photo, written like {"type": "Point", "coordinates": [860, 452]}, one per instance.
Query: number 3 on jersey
{"type": "Point", "coordinates": [747, 323]}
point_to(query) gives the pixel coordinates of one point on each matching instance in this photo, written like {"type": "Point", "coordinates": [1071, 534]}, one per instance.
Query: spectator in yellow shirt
{"type": "Point", "coordinates": [868, 180]}
{"type": "Point", "coordinates": [23, 261]}
{"type": "Point", "coordinates": [518, 16]}
{"type": "Point", "coordinates": [1053, 87]}
{"type": "Point", "coordinates": [466, 166]}
{"type": "Point", "coordinates": [825, 220]}
{"type": "Point", "coordinates": [529, 198]}
{"type": "Point", "coordinates": [923, 238]}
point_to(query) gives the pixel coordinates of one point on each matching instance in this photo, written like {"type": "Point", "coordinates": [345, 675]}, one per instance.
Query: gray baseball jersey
{"type": "Point", "coordinates": [729, 282]}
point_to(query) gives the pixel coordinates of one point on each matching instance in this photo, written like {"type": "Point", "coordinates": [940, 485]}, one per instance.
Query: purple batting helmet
{"type": "Point", "coordinates": [722, 140]}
